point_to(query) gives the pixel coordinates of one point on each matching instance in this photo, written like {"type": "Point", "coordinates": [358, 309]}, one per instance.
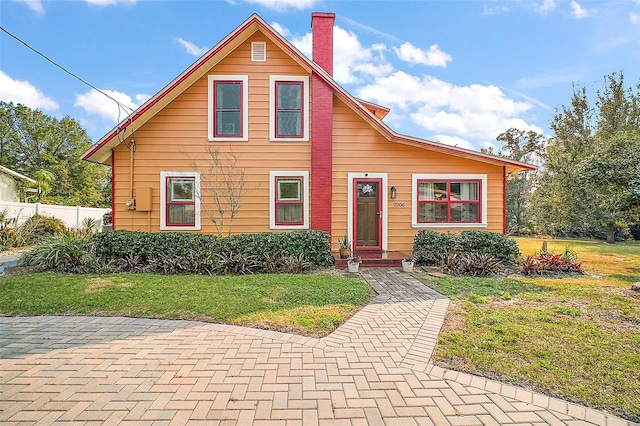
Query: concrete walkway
{"type": "Point", "coordinates": [374, 370]}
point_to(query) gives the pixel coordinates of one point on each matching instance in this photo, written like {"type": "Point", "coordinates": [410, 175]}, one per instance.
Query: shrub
{"type": "Point", "coordinates": [64, 252]}
{"type": "Point", "coordinates": [45, 225]}
{"type": "Point", "coordinates": [176, 252]}
{"type": "Point", "coordinates": [472, 264]}
{"type": "Point", "coordinates": [498, 245]}
{"type": "Point", "coordinates": [431, 246]}
{"type": "Point", "coordinates": [12, 236]}
{"type": "Point", "coordinates": [550, 264]}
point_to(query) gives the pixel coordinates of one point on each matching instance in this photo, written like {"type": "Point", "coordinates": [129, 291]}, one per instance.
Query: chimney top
{"type": "Point", "coordinates": [322, 30]}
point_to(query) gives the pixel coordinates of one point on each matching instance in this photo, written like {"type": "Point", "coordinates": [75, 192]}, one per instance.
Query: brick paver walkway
{"type": "Point", "coordinates": [373, 370]}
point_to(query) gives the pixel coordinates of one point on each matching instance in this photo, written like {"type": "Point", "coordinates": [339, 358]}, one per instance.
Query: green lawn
{"type": "Point", "coordinates": [310, 304]}
{"type": "Point", "coordinates": [575, 337]}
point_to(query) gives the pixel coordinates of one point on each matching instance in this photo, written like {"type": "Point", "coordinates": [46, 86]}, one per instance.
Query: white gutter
{"type": "Point", "coordinates": [16, 174]}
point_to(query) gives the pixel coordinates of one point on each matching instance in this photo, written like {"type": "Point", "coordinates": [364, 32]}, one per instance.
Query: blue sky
{"type": "Point", "coordinates": [458, 72]}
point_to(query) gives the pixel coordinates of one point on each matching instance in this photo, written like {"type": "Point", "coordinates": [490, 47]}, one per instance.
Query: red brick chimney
{"type": "Point", "coordinates": [322, 123]}
{"type": "Point", "coordinates": [322, 26]}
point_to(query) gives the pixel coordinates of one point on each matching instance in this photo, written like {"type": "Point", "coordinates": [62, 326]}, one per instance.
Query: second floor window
{"type": "Point", "coordinates": [228, 108]}
{"type": "Point", "coordinates": [289, 109]}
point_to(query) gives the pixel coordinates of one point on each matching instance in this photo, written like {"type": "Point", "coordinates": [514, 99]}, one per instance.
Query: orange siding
{"type": "Point", "coordinates": [358, 148]}
{"type": "Point", "coordinates": [177, 137]}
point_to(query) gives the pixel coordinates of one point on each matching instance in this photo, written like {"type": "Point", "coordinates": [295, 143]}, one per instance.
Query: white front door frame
{"type": "Point", "coordinates": [351, 205]}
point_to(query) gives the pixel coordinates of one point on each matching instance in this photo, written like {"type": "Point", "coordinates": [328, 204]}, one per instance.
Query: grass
{"type": "Point", "coordinates": [311, 305]}
{"type": "Point", "coordinates": [575, 337]}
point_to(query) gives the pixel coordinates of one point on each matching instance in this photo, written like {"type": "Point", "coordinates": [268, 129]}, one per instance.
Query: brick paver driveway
{"type": "Point", "coordinates": [373, 370]}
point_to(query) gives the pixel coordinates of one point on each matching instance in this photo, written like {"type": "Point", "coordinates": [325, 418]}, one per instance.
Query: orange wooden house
{"type": "Point", "coordinates": [312, 155]}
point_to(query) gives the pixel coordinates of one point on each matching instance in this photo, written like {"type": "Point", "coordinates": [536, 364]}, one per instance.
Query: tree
{"type": "Point", "coordinates": [31, 141]}
{"type": "Point", "coordinates": [223, 182]}
{"type": "Point", "coordinates": [574, 196]}
{"type": "Point", "coordinates": [44, 180]}
{"type": "Point", "coordinates": [612, 174]}
{"type": "Point", "coordinates": [523, 146]}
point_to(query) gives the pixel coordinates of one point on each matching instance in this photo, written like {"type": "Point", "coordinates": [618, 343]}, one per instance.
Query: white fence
{"type": "Point", "coordinates": [71, 216]}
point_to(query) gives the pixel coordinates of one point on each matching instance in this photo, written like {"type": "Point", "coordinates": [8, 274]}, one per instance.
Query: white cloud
{"type": "Point", "coordinates": [23, 92]}
{"type": "Point", "coordinates": [351, 60]}
{"type": "Point", "coordinates": [97, 103]}
{"type": "Point", "coordinates": [191, 48]}
{"type": "Point", "coordinates": [110, 2]}
{"type": "Point", "coordinates": [434, 57]}
{"type": "Point", "coordinates": [549, 79]}
{"type": "Point", "coordinates": [35, 5]}
{"type": "Point", "coordinates": [452, 140]}
{"type": "Point", "coordinates": [281, 5]}
{"type": "Point", "coordinates": [545, 6]}
{"type": "Point", "coordinates": [465, 116]}
{"type": "Point", "coordinates": [496, 10]}
{"type": "Point", "coordinates": [370, 30]}
{"type": "Point", "coordinates": [579, 12]}
{"type": "Point", "coordinates": [634, 18]}
{"type": "Point", "coordinates": [282, 30]}
{"type": "Point", "coordinates": [458, 115]}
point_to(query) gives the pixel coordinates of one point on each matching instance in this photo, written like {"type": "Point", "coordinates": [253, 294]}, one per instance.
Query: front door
{"type": "Point", "coordinates": [368, 214]}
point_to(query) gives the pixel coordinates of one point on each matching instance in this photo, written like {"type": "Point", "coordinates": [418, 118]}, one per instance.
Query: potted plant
{"type": "Point", "coordinates": [353, 263]}
{"type": "Point", "coordinates": [409, 262]}
{"type": "Point", "coordinates": [345, 247]}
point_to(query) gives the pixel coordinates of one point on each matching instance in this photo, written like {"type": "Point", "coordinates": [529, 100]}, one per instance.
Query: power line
{"type": "Point", "coordinates": [120, 105]}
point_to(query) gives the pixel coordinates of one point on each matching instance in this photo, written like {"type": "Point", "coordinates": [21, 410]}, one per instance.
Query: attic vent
{"type": "Point", "coordinates": [259, 51]}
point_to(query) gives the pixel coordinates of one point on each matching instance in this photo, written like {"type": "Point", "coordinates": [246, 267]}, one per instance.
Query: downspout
{"type": "Point", "coordinates": [504, 200]}
{"type": "Point", "coordinates": [113, 188]}
{"type": "Point", "coordinates": [130, 202]}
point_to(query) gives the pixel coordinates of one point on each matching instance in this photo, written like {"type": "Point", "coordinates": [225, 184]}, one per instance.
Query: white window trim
{"type": "Point", "coordinates": [305, 105]}
{"type": "Point", "coordinates": [385, 204]}
{"type": "Point", "coordinates": [461, 176]}
{"type": "Point", "coordinates": [245, 107]}
{"type": "Point", "coordinates": [163, 201]}
{"type": "Point", "coordinates": [272, 199]}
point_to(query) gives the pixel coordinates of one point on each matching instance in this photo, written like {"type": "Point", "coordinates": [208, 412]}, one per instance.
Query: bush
{"type": "Point", "coordinates": [46, 225]}
{"type": "Point", "coordinates": [472, 264]}
{"type": "Point", "coordinates": [621, 233]}
{"type": "Point", "coordinates": [498, 245]}
{"type": "Point", "coordinates": [176, 252]}
{"type": "Point", "coordinates": [550, 264]}
{"type": "Point", "coordinates": [12, 236]}
{"type": "Point", "coordinates": [64, 252]}
{"type": "Point", "coordinates": [431, 246]}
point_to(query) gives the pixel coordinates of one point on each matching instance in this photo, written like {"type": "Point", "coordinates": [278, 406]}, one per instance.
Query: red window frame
{"type": "Point", "coordinates": [216, 109]}
{"type": "Point", "coordinates": [289, 202]}
{"type": "Point", "coordinates": [447, 200]}
{"type": "Point", "coordinates": [278, 110]}
{"type": "Point", "coordinates": [169, 202]}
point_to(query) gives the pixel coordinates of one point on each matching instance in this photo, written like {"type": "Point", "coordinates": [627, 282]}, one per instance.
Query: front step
{"type": "Point", "coordinates": [373, 259]}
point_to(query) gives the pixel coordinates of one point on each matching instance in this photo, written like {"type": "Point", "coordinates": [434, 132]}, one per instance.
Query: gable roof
{"type": "Point", "coordinates": [101, 151]}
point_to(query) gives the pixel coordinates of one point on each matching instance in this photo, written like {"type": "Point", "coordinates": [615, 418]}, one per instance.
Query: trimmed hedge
{"type": "Point", "coordinates": [313, 246]}
{"type": "Point", "coordinates": [431, 246]}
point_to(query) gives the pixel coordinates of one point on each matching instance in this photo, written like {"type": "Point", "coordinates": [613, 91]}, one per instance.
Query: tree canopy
{"type": "Point", "coordinates": [523, 146]}
{"type": "Point", "coordinates": [590, 178]}
{"type": "Point", "coordinates": [36, 144]}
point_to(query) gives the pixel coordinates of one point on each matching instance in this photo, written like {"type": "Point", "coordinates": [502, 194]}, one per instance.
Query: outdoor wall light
{"type": "Point", "coordinates": [394, 192]}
